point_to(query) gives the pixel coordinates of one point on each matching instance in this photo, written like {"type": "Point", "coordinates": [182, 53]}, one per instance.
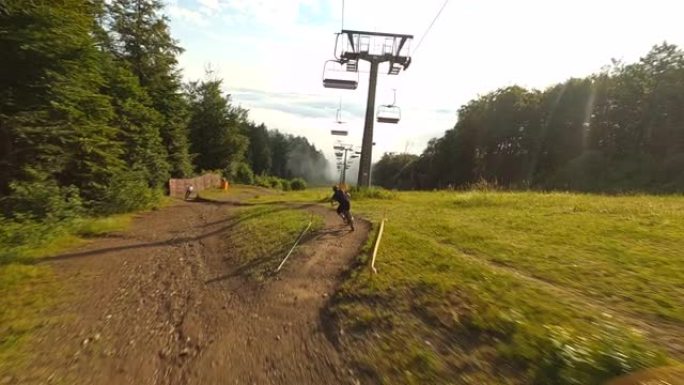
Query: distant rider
{"type": "Point", "coordinates": [344, 207]}
{"type": "Point", "coordinates": [188, 192]}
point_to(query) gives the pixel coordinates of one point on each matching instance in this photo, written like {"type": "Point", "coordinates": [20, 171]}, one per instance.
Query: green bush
{"type": "Point", "coordinates": [38, 212]}
{"type": "Point", "coordinates": [19, 234]}
{"type": "Point", "coordinates": [298, 184]}
{"type": "Point", "coordinates": [275, 183]}
{"type": "Point", "coordinates": [44, 200]}
{"type": "Point", "coordinates": [261, 181]}
{"type": "Point", "coordinates": [128, 192]}
{"type": "Point", "coordinates": [243, 174]}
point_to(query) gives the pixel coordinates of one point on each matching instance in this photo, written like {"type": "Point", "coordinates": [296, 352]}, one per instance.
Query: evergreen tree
{"type": "Point", "coordinates": [53, 119]}
{"type": "Point", "coordinates": [138, 125]}
{"type": "Point", "coordinates": [140, 35]}
{"type": "Point", "coordinates": [259, 152]}
{"type": "Point", "coordinates": [215, 127]}
{"type": "Point", "coordinates": [280, 148]}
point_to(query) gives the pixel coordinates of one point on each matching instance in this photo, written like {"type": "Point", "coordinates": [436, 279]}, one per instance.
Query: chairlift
{"type": "Point", "coordinates": [339, 132]}
{"type": "Point", "coordinates": [389, 113]}
{"type": "Point", "coordinates": [338, 154]}
{"type": "Point", "coordinates": [354, 156]}
{"type": "Point", "coordinates": [338, 148]}
{"type": "Point", "coordinates": [338, 114]}
{"type": "Point", "coordinates": [336, 75]}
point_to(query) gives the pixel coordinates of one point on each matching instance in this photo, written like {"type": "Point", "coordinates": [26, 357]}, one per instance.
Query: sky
{"type": "Point", "coordinates": [271, 53]}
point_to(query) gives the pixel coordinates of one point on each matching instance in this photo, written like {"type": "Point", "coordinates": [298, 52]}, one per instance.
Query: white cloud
{"type": "Point", "coordinates": [475, 47]}
{"type": "Point", "coordinates": [210, 4]}
{"type": "Point", "coordinates": [183, 14]}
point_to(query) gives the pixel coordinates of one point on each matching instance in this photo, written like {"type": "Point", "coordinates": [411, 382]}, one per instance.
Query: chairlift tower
{"type": "Point", "coordinates": [344, 153]}
{"type": "Point", "coordinates": [375, 48]}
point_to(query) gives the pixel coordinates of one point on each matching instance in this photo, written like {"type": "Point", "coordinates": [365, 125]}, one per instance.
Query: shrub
{"type": "Point", "coordinates": [261, 181]}
{"type": "Point", "coordinates": [43, 199]}
{"type": "Point", "coordinates": [298, 184]}
{"type": "Point", "coordinates": [244, 174]}
{"type": "Point", "coordinates": [20, 234]}
{"type": "Point", "coordinates": [128, 192]}
{"type": "Point", "coordinates": [275, 183]}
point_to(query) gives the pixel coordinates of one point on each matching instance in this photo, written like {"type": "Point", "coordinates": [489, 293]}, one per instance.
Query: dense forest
{"type": "Point", "coordinates": [95, 116]}
{"type": "Point", "coordinates": [616, 131]}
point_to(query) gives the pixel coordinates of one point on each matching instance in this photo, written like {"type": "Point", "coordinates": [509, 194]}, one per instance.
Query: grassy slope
{"type": "Point", "coordinates": [514, 287]}
{"type": "Point", "coordinates": [264, 234]}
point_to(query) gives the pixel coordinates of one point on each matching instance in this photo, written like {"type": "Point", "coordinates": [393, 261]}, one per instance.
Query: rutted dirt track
{"type": "Point", "coordinates": [165, 304]}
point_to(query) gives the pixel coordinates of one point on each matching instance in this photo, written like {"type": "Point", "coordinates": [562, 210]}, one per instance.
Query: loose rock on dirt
{"type": "Point", "coordinates": [159, 305]}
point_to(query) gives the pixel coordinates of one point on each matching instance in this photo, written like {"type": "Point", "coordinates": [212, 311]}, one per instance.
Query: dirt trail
{"type": "Point", "coordinates": [164, 304]}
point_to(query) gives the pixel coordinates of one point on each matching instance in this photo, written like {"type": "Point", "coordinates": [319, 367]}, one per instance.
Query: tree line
{"type": "Point", "coordinates": [95, 116]}
{"type": "Point", "coordinates": [619, 130]}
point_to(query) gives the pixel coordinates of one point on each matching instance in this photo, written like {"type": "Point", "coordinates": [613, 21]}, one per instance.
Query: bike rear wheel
{"type": "Point", "coordinates": [349, 219]}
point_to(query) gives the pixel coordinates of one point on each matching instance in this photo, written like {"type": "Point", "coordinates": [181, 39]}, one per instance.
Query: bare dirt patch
{"type": "Point", "coordinates": [166, 304]}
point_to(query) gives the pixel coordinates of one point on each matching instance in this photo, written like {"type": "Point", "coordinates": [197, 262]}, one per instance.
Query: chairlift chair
{"type": "Point", "coordinates": [338, 154]}
{"type": "Point", "coordinates": [389, 113]}
{"type": "Point", "coordinates": [335, 75]}
{"type": "Point", "coordinates": [338, 114]}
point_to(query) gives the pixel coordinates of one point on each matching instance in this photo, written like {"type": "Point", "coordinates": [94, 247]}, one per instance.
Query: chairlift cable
{"type": "Point", "coordinates": [430, 26]}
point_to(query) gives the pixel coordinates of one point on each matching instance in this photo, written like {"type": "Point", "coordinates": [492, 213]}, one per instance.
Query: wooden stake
{"type": "Point", "coordinates": [377, 245]}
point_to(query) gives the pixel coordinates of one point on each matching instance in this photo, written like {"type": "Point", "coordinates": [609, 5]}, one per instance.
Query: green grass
{"type": "Point", "coordinates": [307, 196]}
{"type": "Point", "coordinates": [27, 288]}
{"type": "Point", "coordinates": [235, 192]}
{"type": "Point", "coordinates": [496, 287]}
{"type": "Point", "coordinates": [238, 192]}
{"type": "Point", "coordinates": [264, 234]}
{"type": "Point", "coordinates": [26, 291]}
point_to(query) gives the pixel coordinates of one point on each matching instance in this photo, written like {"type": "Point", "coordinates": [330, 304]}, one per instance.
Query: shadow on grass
{"type": "Point", "coordinates": [230, 223]}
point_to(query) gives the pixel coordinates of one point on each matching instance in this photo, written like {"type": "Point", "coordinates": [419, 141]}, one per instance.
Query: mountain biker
{"type": "Point", "coordinates": [188, 192]}
{"type": "Point", "coordinates": [344, 207]}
